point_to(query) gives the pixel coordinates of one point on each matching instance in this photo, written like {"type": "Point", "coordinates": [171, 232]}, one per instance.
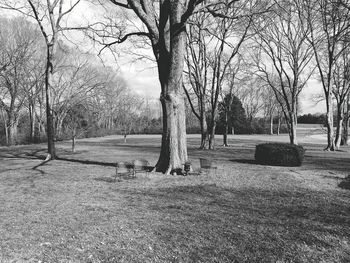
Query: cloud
{"type": "Point", "coordinates": [144, 82]}
{"type": "Point", "coordinates": [309, 100]}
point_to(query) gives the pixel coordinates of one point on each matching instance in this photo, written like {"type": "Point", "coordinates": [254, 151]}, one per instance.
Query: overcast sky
{"type": "Point", "coordinates": [142, 77]}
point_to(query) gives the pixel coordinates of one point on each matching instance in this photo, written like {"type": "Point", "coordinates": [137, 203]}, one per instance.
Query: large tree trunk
{"type": "Point", "coordinates": [12, 132]}
{"type": "Point", "coordinates": [329, 124]}
{"type": "Point", "coordinates": [173, 149]}
{"type": "Point", "coordinates": [171, 53]}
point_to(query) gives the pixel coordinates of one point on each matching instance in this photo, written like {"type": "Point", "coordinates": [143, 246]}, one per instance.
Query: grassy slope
{"type": "Point", "coordinates": [68, 212]}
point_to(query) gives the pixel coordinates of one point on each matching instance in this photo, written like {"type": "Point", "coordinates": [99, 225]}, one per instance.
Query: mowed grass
{"type": "Point", "coordinates": [70, 211]}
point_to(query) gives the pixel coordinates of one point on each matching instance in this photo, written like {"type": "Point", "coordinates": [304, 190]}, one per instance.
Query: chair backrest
{"type": "Point", "coordinates": [121, 167]}
{"type": "Point", "coordinates": [205, 163]}
{"type": "Point", "coordinates": [140, 163]}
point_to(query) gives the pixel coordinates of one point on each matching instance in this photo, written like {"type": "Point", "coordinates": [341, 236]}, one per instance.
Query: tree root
{"type": "Point", "coordinates": [47, 159]}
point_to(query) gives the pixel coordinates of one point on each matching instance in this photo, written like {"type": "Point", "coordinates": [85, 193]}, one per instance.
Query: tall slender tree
{"type": "Point", "coordinates": [284, 56]}
{"type": "Point", "coordinates": [341, 89]}
{"type": "Point", "coordinates": [49, 15]}
{"type": "Point", "coordinates": [329, 22]}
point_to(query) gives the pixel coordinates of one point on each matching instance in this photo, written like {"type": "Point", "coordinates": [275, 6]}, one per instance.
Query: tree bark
{"type": "Point", "coordinates": [339, 127]}
{"type": "Point", "coordinates": [279, 124]}
{"type": "Point", "coordinates": [225, 143]}
{"type": "Point", "coordinates": [32, 120]}
{"type": "Point", "coordinates": [50, 131]}
{"type": "Point", "coordinates": [271, 124]}
{"type": "Point", "coordinates": [12, 132]}
{"type": "Point", "coordinates": [170, 51]}
{"type": "Point", "coordinates": [204, 132]}
{"type": "Point", "coordinates": [293, 130]}
{"type": "Point", "coordinates": [212, 135]}
{"type": "Point", "coordinates": [173, 149]}
{"type": "Point", "coordinates": [345, 133]}
{"type": "Point", "coordinates": [3, 115]}
{"type": "Point", "coordinates": [329, 124]}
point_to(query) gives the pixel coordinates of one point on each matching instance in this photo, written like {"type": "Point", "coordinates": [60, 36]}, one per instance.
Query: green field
{"type": "Point", "coordinates": [70, 211]}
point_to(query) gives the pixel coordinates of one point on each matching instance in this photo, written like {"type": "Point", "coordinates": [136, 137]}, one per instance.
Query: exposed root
{"type": "Point", "coordinates": [168, 170]}
{"type": "Point", "coordinates": [329, 149]}
{"type": "Point", "coordinates": [47, 159]}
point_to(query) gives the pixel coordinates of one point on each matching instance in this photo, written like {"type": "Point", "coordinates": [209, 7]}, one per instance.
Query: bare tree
{"type": "Point", "coordinates": [17, 40]}
{"type": "Point", "coordinates": [107, 99]}
{"type": "Point", "coordinates": [165, 23]}
{"type": "Point", "coordinates": [75, 78]}
{"type": "Point", "coordinates": [284, 56]}
{"type": "Point", "coordinates": [341, 89]}
{"type": "Point", "coordinates": [228, 93]}
{"type": "Point", "coordinates": [33, 88]}
{"type": "Point", "coordinates": [251, 95]}
{"type": "Point", "coordinates": [49, 15]}
{"type": "Point", "coordinates": [214, 42]}
{"type": "Point", "coordinates": [346, 121]}
{"type": "Point", "coordinates": [271, 106]}
{"type": "Point", "coordinates": [196, 72]}
{"type": "Point", "coordinates": [128, 111]}
{"type": "Point", "coordinates": [75, 122]}
{"type": "Point", "coordinates": [329, 23]}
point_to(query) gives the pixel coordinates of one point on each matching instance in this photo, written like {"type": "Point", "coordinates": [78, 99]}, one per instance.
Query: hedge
{"type": "Point", "coordinates": [280, 154]}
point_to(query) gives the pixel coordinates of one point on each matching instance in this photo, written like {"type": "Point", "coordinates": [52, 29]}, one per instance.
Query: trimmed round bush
{"type": "Point", "coordinates": [281, 154]}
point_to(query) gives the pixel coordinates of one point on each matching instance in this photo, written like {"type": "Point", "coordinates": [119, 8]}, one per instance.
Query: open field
{"type": "Point", "coordinates": [69, 211]}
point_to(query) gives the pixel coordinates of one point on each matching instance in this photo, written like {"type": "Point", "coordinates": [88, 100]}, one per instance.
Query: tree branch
{"type": "Point", "coordinates": [121, 4]}
{"type": "Point", "coordinates": [124, 38]}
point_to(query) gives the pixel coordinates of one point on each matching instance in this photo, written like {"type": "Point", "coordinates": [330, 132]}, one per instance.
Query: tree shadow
{"type": "Point", "coordinates": [345, 184]}
{"type": "Point", "coordinates": [246, 161]}
{"type": "Point", "coordinates": [110, 164]}
{"type": "Point", "coordinates": [105, 179]}
{"type": "Point", "coordinates": [128, 165]}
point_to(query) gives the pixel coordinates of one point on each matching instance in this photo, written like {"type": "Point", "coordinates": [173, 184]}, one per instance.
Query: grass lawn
{"type": "Point", "coordinates": [69, 211]}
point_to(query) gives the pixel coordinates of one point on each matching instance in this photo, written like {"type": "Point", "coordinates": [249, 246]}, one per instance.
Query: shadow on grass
{"type": "Point", "coordinates": [111, 164]}
{"type": "Point", "coordinates": [105, 179]}
{"type": "Point", "coordinates": [247, 161]}
{"type": "Point", "coordinates": [259, 225]}
{"type": "Point", "coordinates": [330, 162]}
{"type": "Point", "coordinates": [345, 184]}
{"type": "Point", "coordinates": [21, 154]}
{"type": "Point", "coordinates": [107, 164]}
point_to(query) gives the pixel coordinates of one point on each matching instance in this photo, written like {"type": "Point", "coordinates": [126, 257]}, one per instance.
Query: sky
{"type": "Point", "coordinates": [142, 77]}
{"type": "Point", "coordinates": [308, 101]}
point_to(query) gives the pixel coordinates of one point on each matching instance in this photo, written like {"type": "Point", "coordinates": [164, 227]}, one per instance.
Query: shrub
{"type": "Point", "coordinates": [281, 154]}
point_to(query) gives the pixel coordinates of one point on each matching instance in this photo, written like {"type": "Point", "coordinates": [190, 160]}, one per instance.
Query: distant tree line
{"type": "Point", "coordinates": [313, 119]}
{"type": "Point", "coordinates": [86, 98]}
